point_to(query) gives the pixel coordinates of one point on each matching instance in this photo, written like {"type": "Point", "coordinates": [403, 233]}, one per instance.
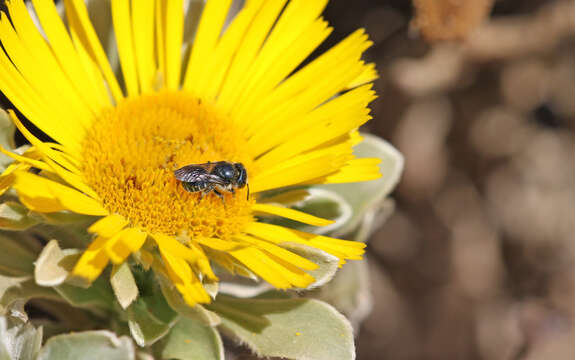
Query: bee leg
{"type": "Point", "coordinates": [221, 196]}
{"type": "Point", "coordinates": [233, 192]}
{"type": "Point", "coordinates": [208, 189]}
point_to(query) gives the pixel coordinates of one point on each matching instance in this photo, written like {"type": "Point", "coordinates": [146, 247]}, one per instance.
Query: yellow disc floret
{"type": "Point", "coordinates": [132, 150]}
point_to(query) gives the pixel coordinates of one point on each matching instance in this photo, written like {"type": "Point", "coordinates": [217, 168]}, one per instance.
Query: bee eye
{"type": "Point", "coordinates": [225, 171]}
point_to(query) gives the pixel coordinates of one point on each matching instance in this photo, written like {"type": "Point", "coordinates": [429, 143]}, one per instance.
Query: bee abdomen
{"type": "Point", "coordinates": [194, 186]}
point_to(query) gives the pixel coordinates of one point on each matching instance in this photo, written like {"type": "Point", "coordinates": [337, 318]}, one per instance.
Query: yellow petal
{"type": "Point", "coordinates": [82, 29]}
{"type": "Point", "coordinates": [251, 44]}
{"type": "Point", "coordinates": [291, 214]}
{"type": "Point", "coordinates": [171, 245]}
{"type": "Point", "coordinates": [203, 263]}
{"type": "Point", "coordinates": [217, 244]}
{"type": "Point", "coordinates": [143, 34]}
{"type": "Point", "coordinates": [184, 279]}
{"type": "Point", "coordinates": [257, 262]}
{"type": "Point", "coordinates": [174, 32]}
{"type": "Point", "coordinates": [280, 252]}
{"type": "Point", "coordinates": [64, 50]}
{"type": "Point", "coordinates": [43, 195]}
{"type": "Point", "coordinates": [127, 242]}
{"type": "Point", "coordinates": [93, 260]}
{"type": "Point", "coordinates": [343, 249]}
{"type": "Point", "coordinates": [272, 269]}
{"type": "Point", "coordinates": [207, 35]}
{"type": "Point", "coordinates": [355, 170]}
{"type": "Point", "coordinates": [109, 225]}
{"type": "Point", "coordinates": [122, 27]}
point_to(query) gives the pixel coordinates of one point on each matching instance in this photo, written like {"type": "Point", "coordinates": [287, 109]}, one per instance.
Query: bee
{"type": "Point", "coordinates": [213, 177]}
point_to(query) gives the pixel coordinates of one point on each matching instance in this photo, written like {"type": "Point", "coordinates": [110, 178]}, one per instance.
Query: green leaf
{"type": "Point", "coordinates": [13, 289]}
{"type": "Point", "coordinates": [14, 216]}
{"type": "Point", "coordinates": [288, 328]}
{"type": "Point", "coordinates": [349, 291]}
{"type": "Point", "coordinates": [73, 235]}
{"type": "Point", "coordinates": [7, 129]}
{"type": "Point", "coordinates": [62, 218]}
{"type": "Point", "coordinates": [54, 264]}
{"type": "Point", "coordinates": [364, 196]}
{"type": "Point", "coordinates": [190, 340]}
{"type": "Point", "coordinates": [88, 345]}
{"type": "Point", "coordinates": [157, 305]}
{"type": "Point", "coordinates": [178, 304]}
{"type": "Point", "coordinates": [18, 340]}
{"type": "Point", "coordinates": [15, 259]}
{"type": "Point", "coordinates": [99, 294]}
{"type": "Point", "coordinates": [124, 285]}
{"type": "Point", "coordinates": [145, 328]}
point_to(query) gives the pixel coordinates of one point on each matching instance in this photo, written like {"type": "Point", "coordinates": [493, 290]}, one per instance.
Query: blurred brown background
{"type": "Point", "coordinates": [477, 262]}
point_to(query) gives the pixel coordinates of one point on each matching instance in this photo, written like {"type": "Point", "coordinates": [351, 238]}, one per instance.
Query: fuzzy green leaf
{"type": "Point", "coordinates": [124, 285]}
{"type": "Point", "coordinates": [13, 289]}
{"type": "Point", "coordinates": [62, 218]}
{"type": "Point", "coordinates": [287, 328]}
{"type": "Point", "coordinates": [54, 264]}
{"type": "Point", "coordinates": [99, 294]}
{"type": "Point", "coordinates": [88, 345]}
{"type": "Point", "coordinates": [190, 340]}
{"type": "Point", "coordinates": [145, 328]}
{"type": "Point", "coordinates": [15, 258]}
{"type": "Point", "coordinates": [364, 196]}
{"type": "Point", "coordinates": [18, 340]}
{"type": "Point", "coordinates": [14, 216]}
{"type": "Point", "coordinates": [178, 304]}
{"type": "Point", "coordinates": [7, 129]}
{"type": "Point", "coordinates": [349, 292]}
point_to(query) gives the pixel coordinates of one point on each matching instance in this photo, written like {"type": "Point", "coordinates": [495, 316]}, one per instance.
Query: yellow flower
{"type": "Point", "coordinates": [239, 97]}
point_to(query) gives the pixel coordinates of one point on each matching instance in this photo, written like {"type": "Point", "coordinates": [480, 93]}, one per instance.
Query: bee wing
{"type": "Point", "coordinates": [192, 173]}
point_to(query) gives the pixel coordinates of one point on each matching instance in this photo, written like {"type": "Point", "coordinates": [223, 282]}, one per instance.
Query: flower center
{"type": "Point", "coordinates": [132, 150]}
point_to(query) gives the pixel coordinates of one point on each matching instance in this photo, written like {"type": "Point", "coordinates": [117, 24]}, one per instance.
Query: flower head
{"type": "Point", "coordinates": [242, 95]}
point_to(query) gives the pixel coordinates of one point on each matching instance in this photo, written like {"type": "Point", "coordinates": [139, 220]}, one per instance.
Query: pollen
{"type": "Point", "coordinates": [130, 154]}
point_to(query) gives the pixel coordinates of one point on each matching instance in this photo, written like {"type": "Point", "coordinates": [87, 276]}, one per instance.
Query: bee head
{"type": "Point", "coordinates": [241, 177]}
{"type": "Point", "coordinates": [225, 171]}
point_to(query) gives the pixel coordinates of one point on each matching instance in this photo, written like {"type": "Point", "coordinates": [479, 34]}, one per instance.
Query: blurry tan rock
{"type": "Point", "coordinates": [475, 246]}
{"type": "Point", "coordinates": [525, 84]}
{"type": "Point", "coordinates": [398, 240]}
{"type": "Point", "coordinates": [562, 86]}
{"type": "Point", "coordinates": [498, 332]}
{"type": "Point", "coordinates": [522, 34]}
{"type": "Point", "coordinates": [436, 72]}
{"type": "Point", "coordinates": [443, 68]}
{"type": "Point", "coordinates": [549, 333]}
{"type": "Point", "coordinates": [390, 322]}
{"type": "Point", "coordinates": [500, 131]}
{"type": "Point", "coordinates": [449, 19]}
{"type": "Point", "coordinates": [449, 325]}
{"type": "Point", "coordinates": [420, 137]}
{"type": "Point", "coordinates": [476, 258]}
{"type": "Point", "coordinates": [562, 290]}
{"type": "Point", "coordinates": [532, 197]}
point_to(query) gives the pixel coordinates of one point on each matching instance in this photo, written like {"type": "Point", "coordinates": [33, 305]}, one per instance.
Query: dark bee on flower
{"type": "Point", "coordinates": [213, 177]}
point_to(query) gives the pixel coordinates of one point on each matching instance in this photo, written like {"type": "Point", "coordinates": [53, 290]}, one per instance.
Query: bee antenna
{"type": "Point", "coordinates": [248, 197]}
